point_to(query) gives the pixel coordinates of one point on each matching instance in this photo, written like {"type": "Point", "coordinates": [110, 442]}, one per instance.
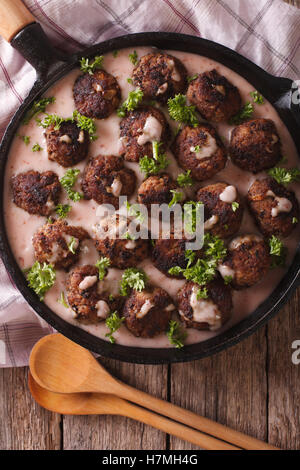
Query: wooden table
{"type": "Point", "coordinates": [253, 387]}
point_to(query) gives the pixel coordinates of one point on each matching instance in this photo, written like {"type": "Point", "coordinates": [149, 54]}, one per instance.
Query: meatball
{"type": "Point", "coordinates": [247, 262]}
{"type": "Point", "coordinates": [168, 253]}
{"type": "Point", "coordinates": [36, 193]}
{"type": "Point", "coordinates": [214, 96]}
{"type": "Point", "coordinates": [208, 313]}
{"type": "Point", "coordinates": [67, 145]}
{"type": "Point", "coordinates": [274, 208]}
{"type": "Point", "coordinates": [200, 150]}
{"type": "Point", "coordinates": [160, 76]}
{"type": "Point", "coordinates": [255, 145]}
{"type": "Point", "coordinates": [147, 313]}
{"type": "Point", "coordinates": [58, 243]}
{"type": "Point", "coordinates": [223, 209]}
{"type": "Point", "coordinates": [139, 129]}
{"type": "Point", "coordinates": [105, 179]}
{"type": "Point", "coordinates": [156, 190]}
{"type": "Point", "coordinates": [89, 304]}
{"type": "Point", "coordinates": [96, 95]}
{"type": "Point", "coordinates": [113, 240]}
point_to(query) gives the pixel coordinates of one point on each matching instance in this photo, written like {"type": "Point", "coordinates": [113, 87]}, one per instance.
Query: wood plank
{"type": "Point", "coordinates": [114, 432]}
{"type": "Point", "coordinates": [230, 388]}
{"type": "Point", "coordinates": [23, 424]}
{"type": "Point", "coordinates": [284, 377]}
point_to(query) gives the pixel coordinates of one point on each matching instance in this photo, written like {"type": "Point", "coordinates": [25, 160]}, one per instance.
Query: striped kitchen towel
{"type": "Point", "coordinates": [265, 31]}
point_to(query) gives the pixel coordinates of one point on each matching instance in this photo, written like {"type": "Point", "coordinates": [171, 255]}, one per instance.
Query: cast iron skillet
{"type": "Point", "coordinates": [50, 65]}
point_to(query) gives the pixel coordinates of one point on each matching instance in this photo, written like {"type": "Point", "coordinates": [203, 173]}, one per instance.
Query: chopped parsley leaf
{"type": "Point", "coordinates": [38, 107]}
{"type": "Point", "coordinates": [113, 322]}
{"type": "Point", "coordinates": [243, 115]}
{"type": "Point", "coordinates": [87, 67]}
{"type": "Point", "coordinates": [36, 148]}
{"type": "Point", "coordinates": [41, 278]}
{"type": "Point", "coordinates": [284, 175]}
{"type": "Point", "coordinates": [257, 97]}
{"type": "Point", "coordinates": [133, 278]}
{"type": "Point", "coordinates": [278, 252]}
{"type": "Point", "coordinates": [62, 210]}
{"type": "Point", "coordinates": [73, 245]}
{"type": "Point", "coordinates": [184, 179]}
{"type": "Point", "coordinates": [176, 335]}
{"type": "Point", "coordinates": [235, 205]}
{"type": "Point", "coordinates": [193, 77]}
{"type": "Point", "coordinates": [181, 112]}
{"type": "Point", "coordinates": [62, 300]}
{"type": "Point", "coordinates": [133, 100]}
{"type": "Point", "coordinates": [102, 264]}
{"type": "Point", "coordinates": [68, 181]}
{"type": "Point", "coordinates": [177, 197]}
{"type": "Point", "coordinates": [133, 58]}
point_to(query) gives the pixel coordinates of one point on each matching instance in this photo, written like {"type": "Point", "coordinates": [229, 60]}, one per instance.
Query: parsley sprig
{"type": "Point", "coordinates": [191, 213]}
{"type": "Point", "coordinates": [184, 179]}
{"type": "Point", "coordinates": [133, 57]}
{"type": "Point", "coordinates": [278, 252]}
{"type": "Point", "coordinates": [177, 197]}
{"type": "Point", "coordinates": [256, 97]}
{"type": "Point", "coordinates": [41, 278]}
{"type": "Point", "coordinates": [102, 264]}
{"type": "Point", "coordinates": [204, 270]}
{"type": "Point", "coordinates": [176, 335]}
{"type": "Point", "coordinates": [133, 278]}
{"type": "Point", "coordinates": [38, 107]}
{"type": "Point", "coordinates": [132, 102]}
{"type": "Point", "coordinates": [84, 123]}
{"type": "Point", "coordinates": [152, 166]}
{"type": "Point", "coordinates": [243, 115]}
{"type": "Point", "coordinates": [134, 211]}
{"type": "Point", "coordinates": [36, 147]}
{"type": "Point", "coordinates": [89, 67]}
{"type": "Point", "coordinates": [62, 210]}
{"type": "Point", "coordinates": [284, 175]}
{"type": "Point", "coordinates": [113, 322]}
{"type": "Point", "coordinates": [68, 181]}
{"type": "Point", "coordinates": [181, 112]}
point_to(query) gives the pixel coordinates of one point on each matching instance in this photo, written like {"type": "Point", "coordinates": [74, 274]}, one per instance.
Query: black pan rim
{"type": "Point", "coordinates": [272, 88]}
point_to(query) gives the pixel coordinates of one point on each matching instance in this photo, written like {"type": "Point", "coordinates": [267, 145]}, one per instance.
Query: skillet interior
{"type": "Point", "coordinates": [276, 90]}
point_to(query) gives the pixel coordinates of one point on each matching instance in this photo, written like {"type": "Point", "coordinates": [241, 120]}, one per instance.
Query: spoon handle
{"type": "Point", "coordinates": [189, 418]}
{"type": "Point", "coordinates": [171, 427]}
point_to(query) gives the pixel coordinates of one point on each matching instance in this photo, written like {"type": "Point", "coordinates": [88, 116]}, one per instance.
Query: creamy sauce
{"type": "Point", "coordinates": [229, 194]}
{"type": "Point", "coordinates": [205, 311]}
{"type": "Point", "coordinates": [151, 131]}
{"type": "Point", "coordinates": [205, 150]}
{"type": "Point", "coordinates": [20, 225]}
{"type": "Point", "coordinates": [283, 204]}
{"type": "Point", "coordinates": [211, 222]}
{"type": "Point", "coordinates": [226, 271]}
{"type": "Point", "coordinates": [145, 308]}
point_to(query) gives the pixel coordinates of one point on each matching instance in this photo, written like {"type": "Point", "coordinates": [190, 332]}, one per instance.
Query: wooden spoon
{"type": "Point", "coordinates": [61, 366]}
{"type": "Point", "coordinates": [104, 404]}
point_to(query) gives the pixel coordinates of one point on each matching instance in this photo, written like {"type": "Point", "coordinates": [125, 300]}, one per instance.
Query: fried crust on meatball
{"type": "Point", "coordinates": [262, 202]}
{"type": "Point", "coordinates": [160, 76]}
{"type": "Point", "coordinates": [226, 218]}
{"type": "Point", "coordinates": [255, 145]}
{"type": "Point", "coordinates": [131, 128]}
{"type": "Point", "coordinates": [122, 252]}
{"type": "Point", "coordinates": [67, 145]}
{"type": "Point", "coordinates": [147, 313]}
{"type": "Point", "coordinates": [58, 243]}
{"type": "Point", "coordinates": [200, 150]}
{"type": "Point", "coordinates": [36, 193]}
{"type": "Point", "coordinates": [96, 95]}
{"type": "Point", "coordinates": [218, 301]}
{"type": "Point", "coordinates": [84, 298]}
{"type": "Point", "coordinates": [248, 261]}
{"type": "Point", "coordinates": [156, 190]}
{"type": "Point", "coordinates": [105, 179]}
{"type": "Point", "coordinates": [214, 96]}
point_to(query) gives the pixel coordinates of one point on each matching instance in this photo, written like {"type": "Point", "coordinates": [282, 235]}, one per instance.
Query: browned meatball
{"type": "Point", "coordinates": [137, 131]}
{"type": "Point", "coordinates": [58, 243]}
{"type": "Point", "coordinates": [160, 76]}
{"type": "Point", "coordinates": [168, 253]}
{"type": "Point", "coordinates": [123, 252]}
{"type": "Point", "coordinates": [96, 95]}
{"type": "Point", "coordinates": [105, 179]}
{"type": "Point", "coordinates": [200, 150]}
{"type": "Point", "coordinates": [156, 190]}
{"type": "Point", "coordinates": [36, 193]}
{"type": "Point", "coordinates": [84, 297]}
{"type": "Point", "coordinates": [67, 145]}
{"type": "Point", "coordinates": [223, 209]}
{"type": "Point", "coordinates": [208, 313]}
{"type": "Point", "coordinates": [247, 262]}
{"type": "Point", "coordinates": [214, 96]}
{"type": "Point", "coordinates": [275, 209]}
{"type": "Point", "coordinates": [147, 313]}
{"type": "Point", "coordinates": [255, 145]}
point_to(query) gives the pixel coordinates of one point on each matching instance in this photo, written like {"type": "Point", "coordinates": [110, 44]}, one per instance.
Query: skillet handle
{"type": "Point", "coordinates": [14, 16]}
{"type": "Point", "coordinates": [18, 26]}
